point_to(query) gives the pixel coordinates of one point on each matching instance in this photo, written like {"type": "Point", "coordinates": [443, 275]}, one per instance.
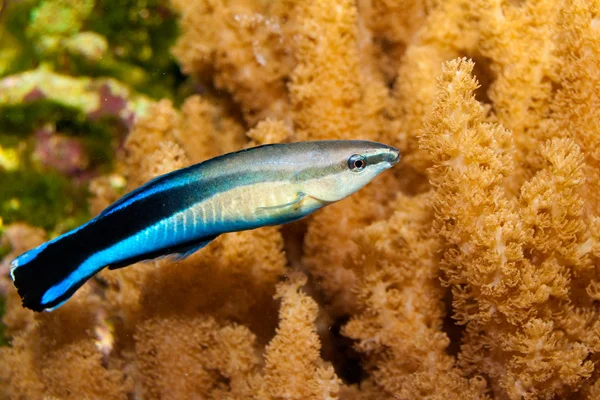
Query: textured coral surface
{"type": "Point", "coordinates": [469, 271]}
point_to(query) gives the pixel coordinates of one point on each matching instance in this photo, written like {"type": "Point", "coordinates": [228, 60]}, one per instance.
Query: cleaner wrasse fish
{"type": "Point", "coordinates": [184, 210]}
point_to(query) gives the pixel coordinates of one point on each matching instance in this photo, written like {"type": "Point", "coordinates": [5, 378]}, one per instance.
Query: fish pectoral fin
{"type": "Point", "coordinates": [176, 253]}
{"type": "Point", "coordinates": [324, 202]}
{"type": "Point", "coordinates": [293, 205]}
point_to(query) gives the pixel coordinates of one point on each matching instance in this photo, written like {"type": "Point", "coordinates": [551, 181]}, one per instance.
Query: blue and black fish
{"type": "Point", "coordinates": [182, 211]}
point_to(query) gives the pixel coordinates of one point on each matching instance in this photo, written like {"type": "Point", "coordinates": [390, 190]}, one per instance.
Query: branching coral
{"type": "Point", "coordinates": [574, 106]}
{"type": "Point", "coordinates": [244, 43]}
{"type": "Point", "coordinates": [307, 377]}
{"type": "Point", "coordinates": [400, 299]}
{"type": "Point", "coordinates": [510, 267]}
{"type": "Point", "coordinates": [534, 24]}
{"type": "Point", "coordinates": [329, 62]}
{"type": "Point", "coordinates": [393, 25]}
{"type": "Point", "coordinates": [35, 366]}
{"type": "Point", "coordinates": [222, 358]}
{"type": "Point", "coordinates": [225, 358]}
{"type": "Point", "coordinates": [354, 107]}
{"type": "Point", "coordinates": [326, 251]}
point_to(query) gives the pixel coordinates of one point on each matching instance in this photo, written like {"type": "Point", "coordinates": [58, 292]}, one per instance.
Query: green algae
{"type": "Point", "coordinates": [58, 17]}
{"type": "Point", "coordinates": [4, 247]}
{"type": "Point", "coordinates": [141, 33]}
{"type": "Point", "coordinates": [18, 52]}
{"type": "Point", "coordinates": [99, 137]}
{"type": "Point", "coordinates": [41, 198]}
{"type": "Point", "coordinates": [25, 118]}
{"type": "Point", "coordinates": [129, 41]}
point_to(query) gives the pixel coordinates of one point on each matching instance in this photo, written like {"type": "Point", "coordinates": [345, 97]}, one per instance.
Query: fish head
{"type": "Point", "coordinates": [346, 166]}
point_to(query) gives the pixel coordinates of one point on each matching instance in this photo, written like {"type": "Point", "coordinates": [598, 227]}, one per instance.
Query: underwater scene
{"type": "Point", "coordinates": [463, 265]}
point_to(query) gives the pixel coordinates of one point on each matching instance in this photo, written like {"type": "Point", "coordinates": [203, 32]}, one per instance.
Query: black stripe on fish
{"type": "Point", "coordinates": [59, 258]}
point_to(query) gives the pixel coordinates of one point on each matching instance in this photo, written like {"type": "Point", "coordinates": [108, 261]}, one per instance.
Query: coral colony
{"type": "Point", "coordinates": [469, 271]}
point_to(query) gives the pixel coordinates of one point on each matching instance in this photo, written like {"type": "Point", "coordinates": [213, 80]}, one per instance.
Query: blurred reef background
{"type": "Point", "coordinates": [74, 74]}
{"type": "Point", "coordinates": [469, 271]}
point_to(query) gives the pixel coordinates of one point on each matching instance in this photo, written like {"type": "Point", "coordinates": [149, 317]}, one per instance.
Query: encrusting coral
{"type": "Point", "coordinates": [471, 270]}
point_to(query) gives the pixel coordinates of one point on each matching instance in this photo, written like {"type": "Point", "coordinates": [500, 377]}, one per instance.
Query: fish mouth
{"type": "Point", "coordinates": [393, 156]}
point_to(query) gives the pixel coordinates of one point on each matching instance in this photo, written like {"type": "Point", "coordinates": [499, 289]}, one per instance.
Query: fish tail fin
{"type": "Point", "coordinates": [47, 276]}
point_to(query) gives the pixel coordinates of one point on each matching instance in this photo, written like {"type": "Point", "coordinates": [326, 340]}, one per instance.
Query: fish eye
{"type": "Point", "coordinates": [356, 163]}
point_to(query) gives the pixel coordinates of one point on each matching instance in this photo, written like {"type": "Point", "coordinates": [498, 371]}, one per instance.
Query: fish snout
{"type": "Point", "coordinates": [393, 156]}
